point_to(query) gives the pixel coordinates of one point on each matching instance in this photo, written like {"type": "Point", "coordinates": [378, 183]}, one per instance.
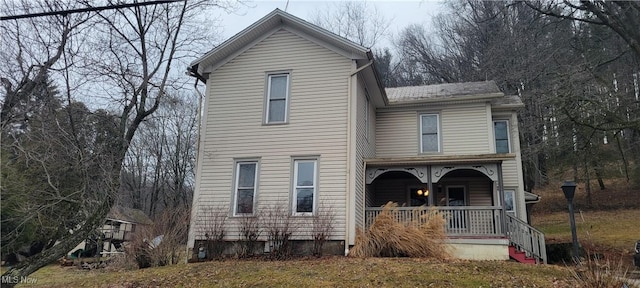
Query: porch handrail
{"type": "Point", "coordinates": [526, 238]}
{"type": "Point", "coordinates": [404, 208]}
{"type": "Point", "coordinates": [460, 220]}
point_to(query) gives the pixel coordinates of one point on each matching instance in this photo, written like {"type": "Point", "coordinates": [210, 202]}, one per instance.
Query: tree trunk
{"type": "Point", "coordinates": [587, 179]}
{"type": "Point", "coordinates": [54, 253]}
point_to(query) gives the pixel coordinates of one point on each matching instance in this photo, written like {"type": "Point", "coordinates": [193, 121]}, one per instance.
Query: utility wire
{"type": "Point", "coordinates": [88, 9]}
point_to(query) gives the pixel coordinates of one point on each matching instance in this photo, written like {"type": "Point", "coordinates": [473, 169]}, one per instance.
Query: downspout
{"type": "Point", "coordinates": [348, 174]}
{"type": "Point", "coordinates": [349, 153]}
{"type": "Point", "coordinates": [362, 68]}
{"type": "Point", "coordinates": [192, 71]}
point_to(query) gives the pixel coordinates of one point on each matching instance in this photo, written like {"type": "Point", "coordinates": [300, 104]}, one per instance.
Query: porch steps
{"type": "Point", "coordinates": [520, 256]}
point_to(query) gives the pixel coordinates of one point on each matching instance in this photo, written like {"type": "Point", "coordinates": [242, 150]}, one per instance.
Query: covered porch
{"type": "Point", "coordinates": [466, 191]}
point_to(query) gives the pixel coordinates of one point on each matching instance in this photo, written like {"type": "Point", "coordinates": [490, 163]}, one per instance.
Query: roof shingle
{"type": "Point", "coordinates": [447, 91]}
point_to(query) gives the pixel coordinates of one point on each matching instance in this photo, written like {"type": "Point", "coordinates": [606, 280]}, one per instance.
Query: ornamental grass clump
{"type": "Point", "coordinates": [597, 273]}
{"type": "Point", "coordinates": [421, 235]}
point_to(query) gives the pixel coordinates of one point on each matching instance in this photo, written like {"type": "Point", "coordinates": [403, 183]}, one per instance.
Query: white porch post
{"type": "Point", "coordinates": [503, 218]}
{"type": "Point", "coordinates": [432, 194]}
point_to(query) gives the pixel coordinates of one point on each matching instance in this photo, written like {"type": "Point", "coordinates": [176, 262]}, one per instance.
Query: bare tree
{"type": "Point", "coordinates": [359, 22]}
{"type": "Point", "coordinates": [622, 17]}
{"type": "Point", "coordinates": [159, 166]}
{"type": "Point", "coordinates": [30, 49]}
{"type": "Point", "coordinates": [126, 61]}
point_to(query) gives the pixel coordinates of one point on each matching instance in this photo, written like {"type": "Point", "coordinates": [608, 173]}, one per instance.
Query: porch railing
{"type": "Point", "coordinates": [526, 238]}
{"type": "Point", "coordinates": [460, 220]}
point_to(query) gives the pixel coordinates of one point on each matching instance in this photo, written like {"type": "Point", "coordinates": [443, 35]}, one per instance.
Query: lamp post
{"type": "Point", "coordinates": [569, 190]}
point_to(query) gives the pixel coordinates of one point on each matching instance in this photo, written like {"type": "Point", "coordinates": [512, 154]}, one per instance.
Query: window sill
{"type": "Point", "coordinates": [275, 124]}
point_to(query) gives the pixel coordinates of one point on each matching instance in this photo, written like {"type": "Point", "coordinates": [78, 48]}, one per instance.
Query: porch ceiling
{"type": "Point", "coordinates": [440, 159]}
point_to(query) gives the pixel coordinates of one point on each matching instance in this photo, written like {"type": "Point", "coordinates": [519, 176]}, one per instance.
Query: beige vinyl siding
{"type": "Point", "coordinates": [510, 173]}
{"type": "Point", "coordinates": [317, 126]}
{"type": "Point", "coordinates": [463, 130]}
{"type": "Point", "coordinates": [480, 192]}
{"type": "Point", "coordinates": [396, 133]}
{"type": "Point", "coordinates": [365, 148]}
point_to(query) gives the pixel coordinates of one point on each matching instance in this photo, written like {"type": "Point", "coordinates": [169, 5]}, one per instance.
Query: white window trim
{"type": "Point", "coordinates": [508, 136]}
{"type": "Point", "coordinates": [438, 131]}
{"type": "Point", "coordinates": [513, 198]}
{"type": "Point", "coordinates": [236, 186]}
{"type": "Point", "coordinates": [286, 99]}
{"type": "Point", "coordinates": [294, 201]}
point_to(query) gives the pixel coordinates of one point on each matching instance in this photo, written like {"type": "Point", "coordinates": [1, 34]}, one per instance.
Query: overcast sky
{"type": "Point", "coordinates": [400, 13]}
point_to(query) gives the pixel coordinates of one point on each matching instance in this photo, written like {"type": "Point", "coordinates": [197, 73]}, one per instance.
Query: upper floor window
{"type": "Point", "coordinates": [501, 131]}
{"type": "Point", "coordinates": [277, 98]}
{"type": "Point", "coordinates": [305, 186]}
{"type": "Point", "coordinates": [429, 133]}
{"type": "Point", "coordinates": [245, 188]}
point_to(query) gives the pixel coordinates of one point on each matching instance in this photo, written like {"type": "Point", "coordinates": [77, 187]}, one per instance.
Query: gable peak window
{"type": "Point", "coordinates": [277, 98]}
{"type": "Point", "coordinates": [429, 133]}
{"type": "Point", "coordinates": [501, 132]}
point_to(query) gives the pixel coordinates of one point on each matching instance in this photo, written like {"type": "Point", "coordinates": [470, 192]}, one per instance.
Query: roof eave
{"type": "Point", "coordinates": [271, 21]}
{"type": "Point", "coordinates": [507, 106]}
{"type": "Point", "coordinates": [441, 159]}
{"type": "Point", "coordinates": [458, 99]}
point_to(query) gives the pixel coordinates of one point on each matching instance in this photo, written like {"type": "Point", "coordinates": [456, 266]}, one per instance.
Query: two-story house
{"type": "Point", "coordinates": [295, 115]}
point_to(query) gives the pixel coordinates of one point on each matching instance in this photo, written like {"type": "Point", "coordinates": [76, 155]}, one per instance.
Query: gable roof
{"type": "Point", "coordinates": [266, 26]}
{"type": "Point", "coordinates": [124, 214]}
{"type": "Point", "coordinates": [507, 102]}
{"type": "Point", "coordinates": [444, 92]}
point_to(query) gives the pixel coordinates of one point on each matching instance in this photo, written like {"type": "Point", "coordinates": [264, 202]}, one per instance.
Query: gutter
{"type": "Point", "coordinates": [193, 72]}
{"type": "Point", "coordinates": [378, 79]}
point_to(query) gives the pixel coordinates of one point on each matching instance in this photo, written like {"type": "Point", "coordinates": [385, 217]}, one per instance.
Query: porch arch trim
{"type": "Point", "coordinates": [420, 172]}
{"type": "Point", "coordinates": [490, 170]}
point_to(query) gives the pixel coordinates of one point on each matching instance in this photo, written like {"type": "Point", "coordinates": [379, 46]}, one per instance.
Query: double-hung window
{"type": "Point", "coordinates": [305, 186]}
{"type": "Point", "coordinates": [501, 132]}
{"type": "Point", "coordinates": [277, 98]}
{"type": "Point", "coordinates": [245, 188]}
{"type": "Point", "coordinates": [429, 133]}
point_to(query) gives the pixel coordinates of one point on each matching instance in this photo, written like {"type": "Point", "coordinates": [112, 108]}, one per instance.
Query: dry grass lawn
{"type": "Point", "coordinates": [617, 230]}
{"type": "Point", "coordinates": [325, 272]}
{"type": "Point", "coordinates": [609, 224]}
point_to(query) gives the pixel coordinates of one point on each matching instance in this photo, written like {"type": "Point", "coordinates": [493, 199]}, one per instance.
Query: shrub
{"type": "Point", "coordinates": [322, 227]}
{"type": "Point", "coordinates": [162, 242]}
{"type": "Point", "coordinates": [279, 226]}
{"type": "Point", "coordinates": [249, 233]}
{"type": "Point", "coordinates": [212, 220]}
{"type": "Point", "coordinates": [422, 236]}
